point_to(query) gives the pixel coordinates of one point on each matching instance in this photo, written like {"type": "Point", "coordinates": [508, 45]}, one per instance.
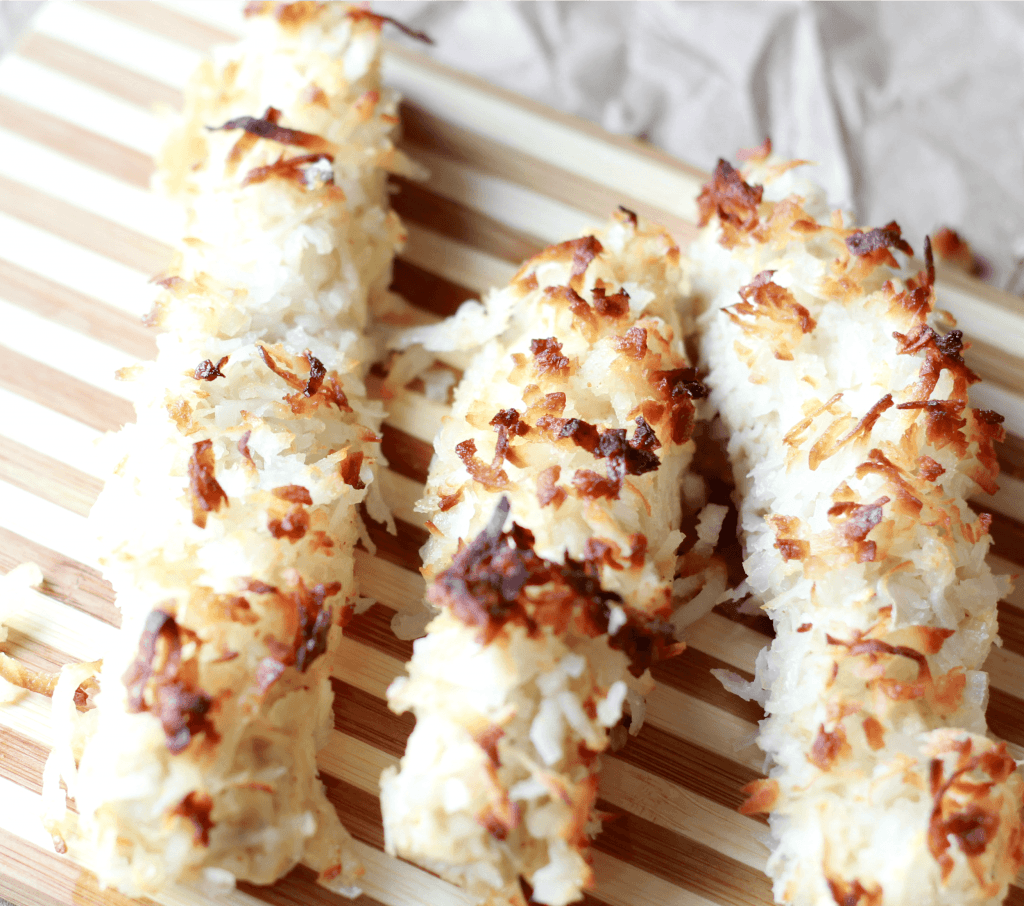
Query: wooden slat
{"type": "Point", "coordinates": [52, 480]}
{"type": "Point", "coordinates": [96, 150]}
{"type": "Point", "coordinates": [48, 386]}
{"type": "Point", "coordinates": [89, 229]}
{"type": "Point", "coordinates": [95, 70]}
{"type": "Point", "coordinates": [34, 877]}
{"type": "Point", "coordinates": [90, 317]}
{"type": "Point", "coordinates": [422, 129]}
{"type": "Point", "coordinates": [167, 23]}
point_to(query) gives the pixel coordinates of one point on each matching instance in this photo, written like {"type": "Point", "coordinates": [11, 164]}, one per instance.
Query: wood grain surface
{"type": "Point", "coordinates": [80, 237]}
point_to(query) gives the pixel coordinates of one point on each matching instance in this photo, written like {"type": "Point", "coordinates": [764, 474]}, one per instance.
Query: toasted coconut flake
{"type": "Point", "coordinates": [32, 680]}
{"type": "Point", "coordinates": [762, 797]}
{"type": "Point", "coordinates": [734, 201]}
{"type": "Point", "coordinates": [267, 127]}
{"type": "Point", "coordinates": [207, 494]}
{"type": "Point", "coordinates": [853, 893]}
{"type": "Point", "coordinates": [629, 215]}
{"type": "Point", "coordinates": [310, 171]}
{"type": "Point", "coordinates": [156, 681]}
{"type": "Point", "coordinates": [196, 808]}
{"type": "Point", "coordinates": [360, 14]}
{"type": "Point", "coordinates": [770, 311]}
{"type": "Point", "coordinates": [881, 239]}
{"type": "Point", "coordinates": [207, 371]}
{"type": "Point", "coordinates": [954, 250]}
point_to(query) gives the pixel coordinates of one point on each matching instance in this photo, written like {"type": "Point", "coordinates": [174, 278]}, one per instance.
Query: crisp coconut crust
{"type": "Point", "coordinates": [229, 522]}
{"type": "Point", "coordinates": [854, 445]}
{"type": "Point", "coordinates": [575, 415]}
{"type": "Point", "coordinates": [578, 405]}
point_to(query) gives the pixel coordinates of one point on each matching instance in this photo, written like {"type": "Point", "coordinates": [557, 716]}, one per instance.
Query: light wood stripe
{"type": "Point", "coordinates": [93, 29]}
{"type": "Point", "coordinates": [103, 153]}
{"type": "Point", "coordinates": [51, 479]}
{"type": "Point", "coordinates": [34, 380]}
{"type": "Point", "coordinates": [96, 71]}
{"type": "Point", "coordinates": [188, 30]}
{"type": "Point", "coordinates": [56, 172]}
{"type": "Point", "coordinates": [75, 311]}
{"type": "Point", "coordinates": [91, 230]}
{"type": "Point", "coordinates": [59, 95]}
{"type": "Point", "coordinates": [69, 264]}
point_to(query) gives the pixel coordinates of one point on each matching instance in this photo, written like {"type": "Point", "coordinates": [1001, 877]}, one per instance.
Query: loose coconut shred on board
{"type": "Point", "coordinates": [228, 526]}
{"type": "Point", "coordinates": [854, 447]}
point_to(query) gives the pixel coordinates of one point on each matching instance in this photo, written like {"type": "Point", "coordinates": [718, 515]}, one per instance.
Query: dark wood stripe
{"type": "Point", "coordinates": [406, 455]}
{"type": "Point", "coordinates": [687, 765]}
{"type": "Point", "coordinates": [84, 228]}
{"type": "Point", "coordinates": [1011, 627]}
{"type": "Point", "coordinates": [166, 23]}
{"type": "Point", "coordinates": [1007, 539]}
{"type": "Point", "coordinates": [65, 580]}
{"type": "Point", "coordinates": [64, 394]}
{"type": "Point", "coordinates": [757, 622]}
{"type": "Point", "coordinates": [76, 311]}
{"type": "Point", "coordinates": [681, 861]}
{"type": "Point", "coordinates": [89, 69]}
{"type": "Point", "coordinates": [1015, 897]}
{"type": "Point", "coordinates": [416, 203]}
{"type": "Point", "coordinates": [48, 478]}
{"type": "Point", "coordinates": [87, 147]}
{"type": "Point", "coordinates": [423, 129]}
{"type": "Point", "coordinates": [1005, 716]}
{"type": "Point", "coordinates": [690, 672]}
{"type": "Point", "coordinates": [401, 549]}
{"type": "Point", "coordinates": [366, 718]}
{"type": "Point", "coordinates": [373, 629]}
{"type": "Point", "coordinates": [1010, 453]}
{"type": "Point", "coordinates": [428, 291]}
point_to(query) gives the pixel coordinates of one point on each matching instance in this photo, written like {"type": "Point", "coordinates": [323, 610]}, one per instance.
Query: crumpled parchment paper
{"type": "Point", "coordinates": [915, 112]}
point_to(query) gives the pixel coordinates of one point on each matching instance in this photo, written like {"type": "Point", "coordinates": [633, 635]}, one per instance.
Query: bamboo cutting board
{"type": "Point", "coordinates": [80, 236]}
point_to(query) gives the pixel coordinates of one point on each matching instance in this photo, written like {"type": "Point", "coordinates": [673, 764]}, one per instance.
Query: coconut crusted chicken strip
{"type": "Point", "coordinates": [229, 524]}
{"type": "Point", "coordinates": [845, 396]}
{"type": "Point", "coordinates": [576, 414]}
